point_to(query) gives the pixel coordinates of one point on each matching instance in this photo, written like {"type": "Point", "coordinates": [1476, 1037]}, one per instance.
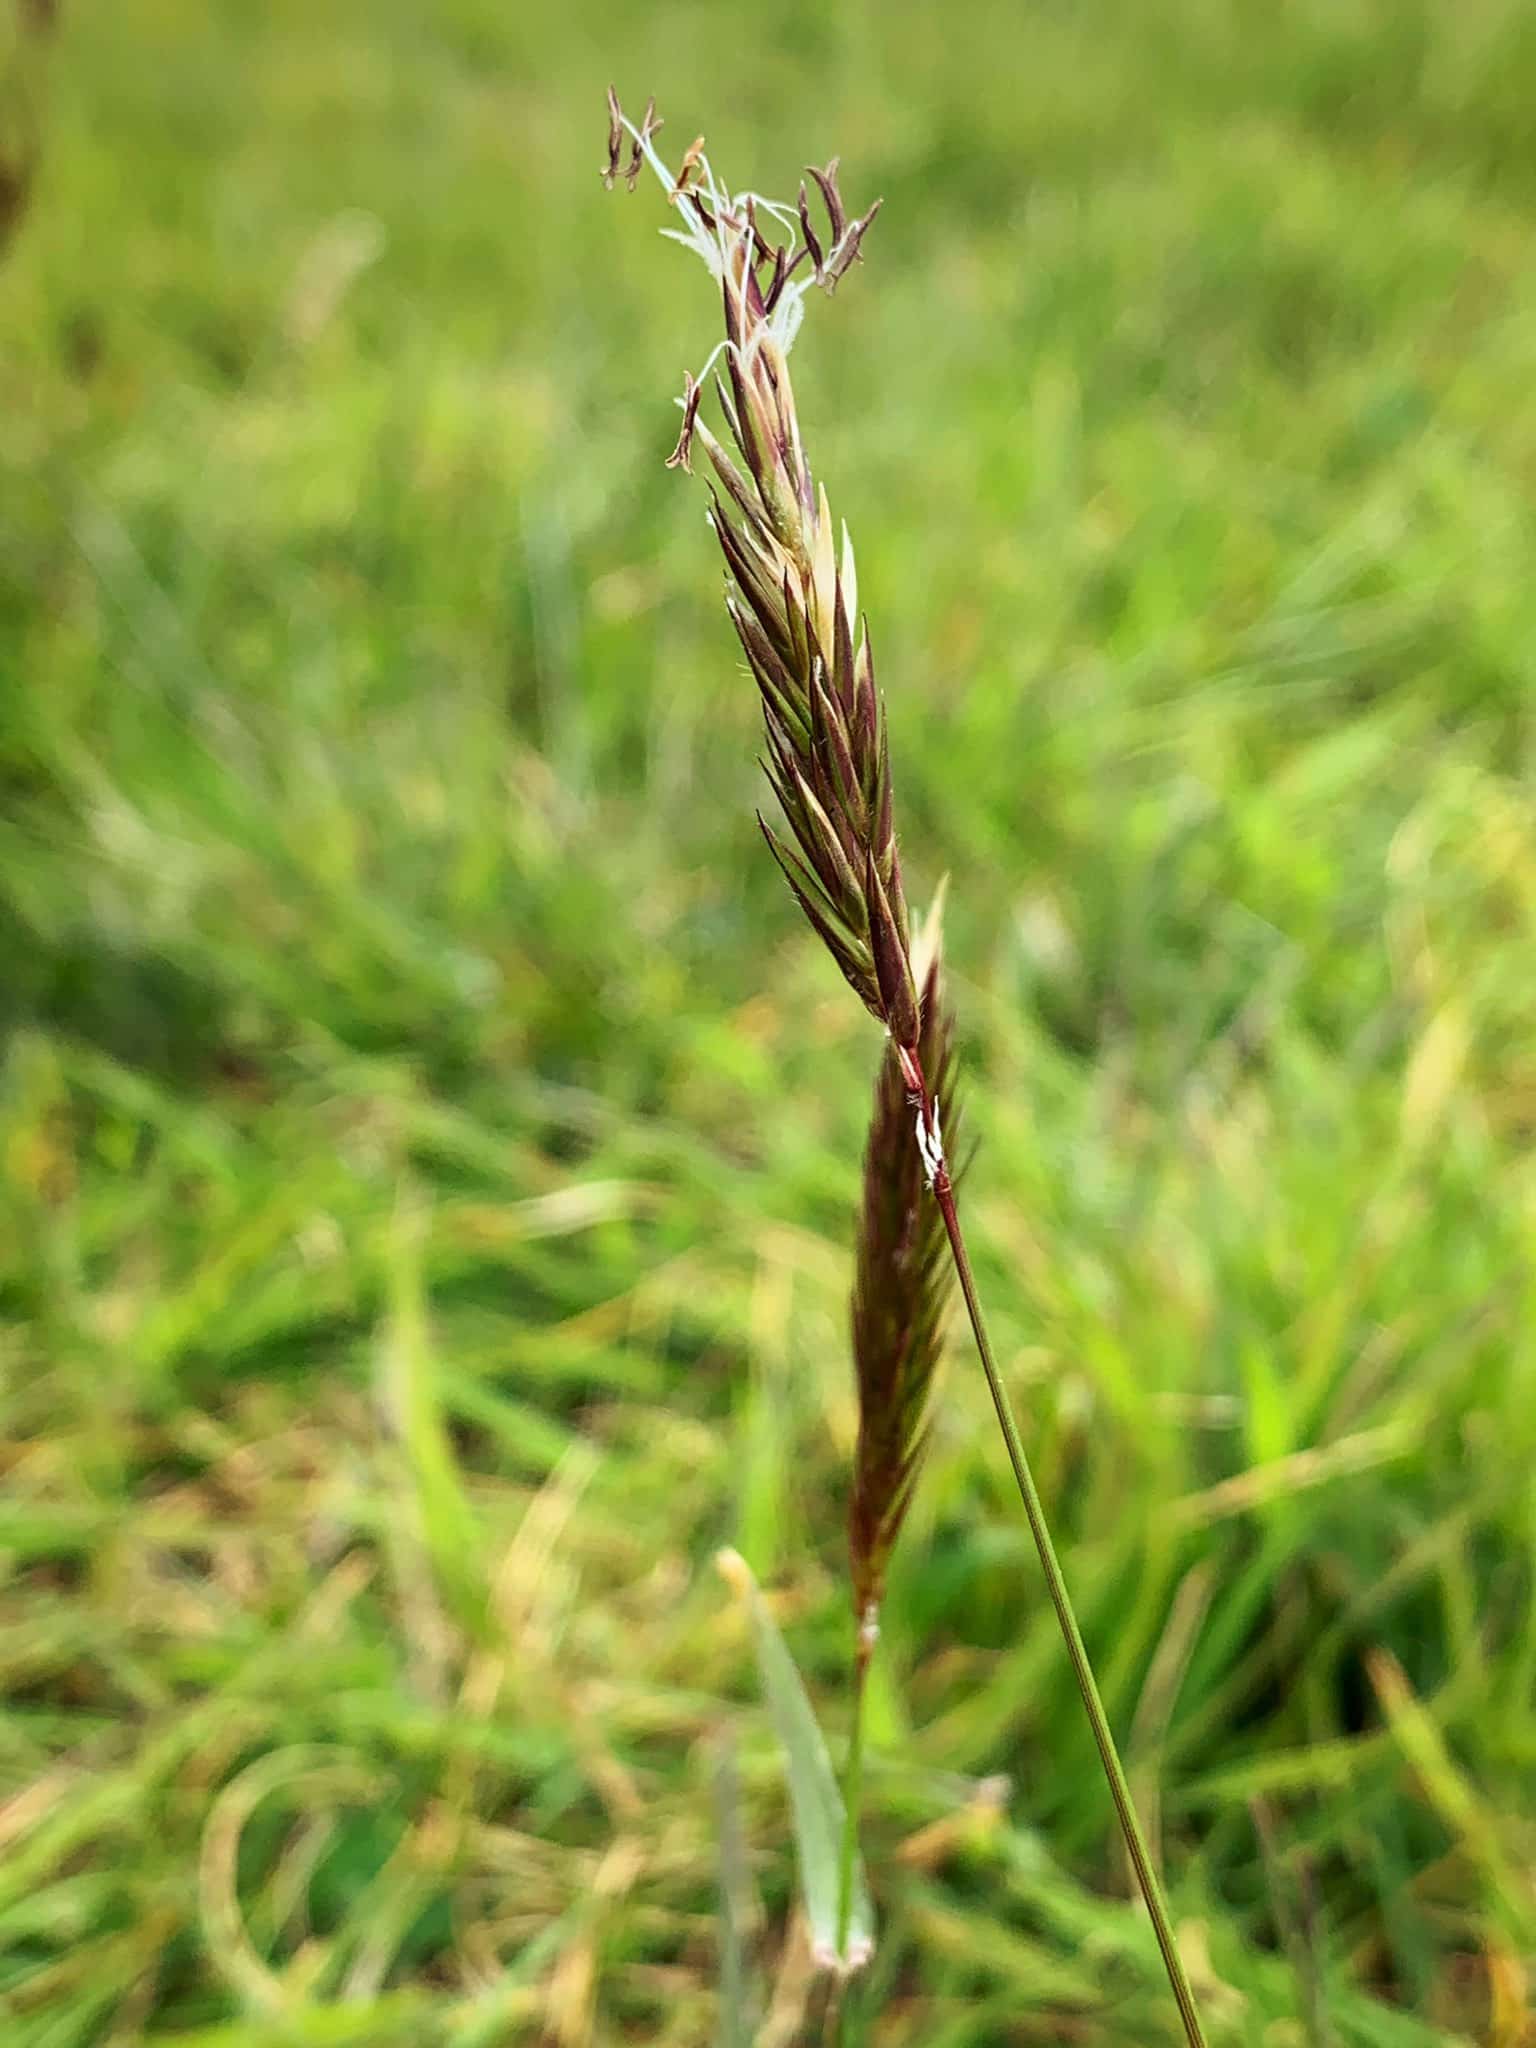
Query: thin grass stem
{"type": "Point", "coordinates": [853, 1783]}
{"type": "Point", "coordinates": [1061, 1600]}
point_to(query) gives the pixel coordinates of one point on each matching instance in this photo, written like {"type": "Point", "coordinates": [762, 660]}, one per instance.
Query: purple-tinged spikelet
{"type": "Point", "coordinates": [901, 1292]}
{"type": "Point", "coordinates": [793, 595]}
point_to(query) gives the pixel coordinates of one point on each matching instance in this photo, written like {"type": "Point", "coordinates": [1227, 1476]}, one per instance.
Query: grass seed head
{"type": "Point", "coordinates": [902, 1280]}
{"type": "Point", "coordinates": [792, 590]}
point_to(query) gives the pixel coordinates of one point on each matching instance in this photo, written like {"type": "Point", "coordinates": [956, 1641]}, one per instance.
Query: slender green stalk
{"type": "Point", "coordinates": [850, 1993]}
{"type": "Point", "coordinates": [1061, 1600]}
{"type": "Point", "coordinates": [853, 1783]}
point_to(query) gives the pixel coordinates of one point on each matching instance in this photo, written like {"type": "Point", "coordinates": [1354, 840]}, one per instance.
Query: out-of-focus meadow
{"type": "Point", "coordinates": [430, 1137]}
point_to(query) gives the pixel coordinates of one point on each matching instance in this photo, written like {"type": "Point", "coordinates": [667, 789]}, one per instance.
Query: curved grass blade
{"type": "Point", "coordinates": [815, 1802]}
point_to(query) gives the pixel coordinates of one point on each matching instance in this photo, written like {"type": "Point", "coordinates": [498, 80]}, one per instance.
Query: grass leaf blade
{"type": "Point", "coordinates": [815, 1800]}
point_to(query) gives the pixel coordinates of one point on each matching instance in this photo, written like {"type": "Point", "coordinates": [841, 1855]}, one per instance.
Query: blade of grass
{"type": "Point", "coordinates": [413, 1392]}
{"type": "Point", "coordinates": [817, 1806]}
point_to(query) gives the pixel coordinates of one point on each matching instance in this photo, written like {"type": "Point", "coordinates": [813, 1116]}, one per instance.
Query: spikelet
{"type": "Point", "coordinates": [791, 588]}
{"type": "Point", "coordinates": [901, 1290]}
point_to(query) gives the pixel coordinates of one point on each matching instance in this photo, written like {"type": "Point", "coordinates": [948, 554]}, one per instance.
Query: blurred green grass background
{"type": "Point", "coordinates": [430, 1139]}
